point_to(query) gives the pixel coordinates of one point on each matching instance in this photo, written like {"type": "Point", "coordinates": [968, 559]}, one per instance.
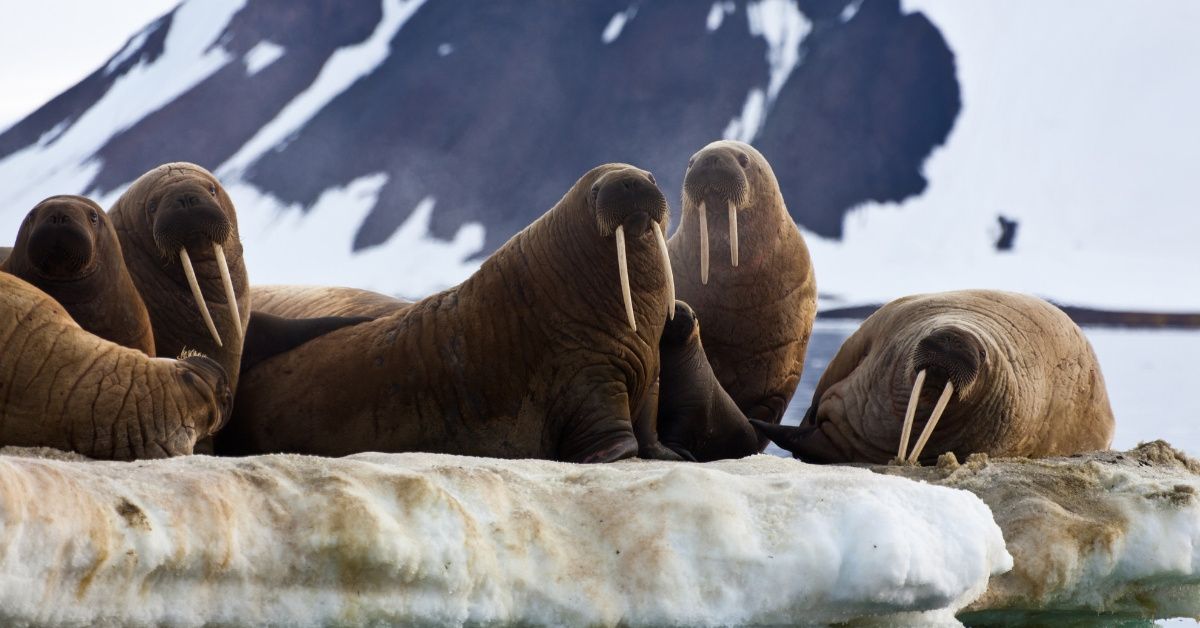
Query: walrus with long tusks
{"type": "Point", "coordinates": [973, 371]}
{"type": "Point", "coordinates": [547, 351]}
{"type": "Point", "coordinates": [67, 248]}
{"type": "Point", "coordinates": [63, 387]}
{"type": "Point", "coordinates": [179, 234]}
{"type": "Point", "coordinates": [754, 289]}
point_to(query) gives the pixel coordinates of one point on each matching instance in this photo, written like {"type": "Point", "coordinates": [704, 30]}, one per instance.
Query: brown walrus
{"type": "Point", "coordinates": [1008, 374]}
{"type": "Point", "coordinates": [757, 303]}
{"type": "Point", "coordinates": [320, 301]}
{"type": "Point", "coordinates": [547, 351]}
{"type": "Point", "coordinates": [178, 232]}
{"type": "Point", "coordinates": [696, 417]}
{"type": "Point", "coordinates": [63, 387]}
{"type": "Point", "coordinates": [67, 248]}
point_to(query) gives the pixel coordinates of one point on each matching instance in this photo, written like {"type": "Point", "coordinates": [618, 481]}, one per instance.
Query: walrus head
{"type": "Point", "coordinates": [61, 238]}
{"type": "Point", "coordinates": [725, 175]}
{"type": "Point", "coordinates": [187, 214]}
{"type": "Point", "coordinates": [627, 203]}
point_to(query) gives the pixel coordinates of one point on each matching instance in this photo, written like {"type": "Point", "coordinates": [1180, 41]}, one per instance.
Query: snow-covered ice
{"type": "Point", "coordinates": [1109, 532]}
{"type": "Point", "coordinates": [426, 538]}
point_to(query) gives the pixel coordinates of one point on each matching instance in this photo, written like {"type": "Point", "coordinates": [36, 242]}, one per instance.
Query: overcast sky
{"type": "Point", "coordinates": [46, 46]}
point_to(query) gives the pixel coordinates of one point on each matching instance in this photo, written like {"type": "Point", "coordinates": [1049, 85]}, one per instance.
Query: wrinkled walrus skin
{"type": "Point", "coordinates": [174, 207]}
{"type": "Point", "coordinates": [320, 301]}
{"type": "Point", "coordinates": [532, 356]}
{"type": "Point", "coordinates": [63, 387]}
{"type": "Point", "coordinates": [758, 315]}
{"type": "Point", "coordinates": [67, 248]}
{"type": "Point", "coordinates": [1025, 383]}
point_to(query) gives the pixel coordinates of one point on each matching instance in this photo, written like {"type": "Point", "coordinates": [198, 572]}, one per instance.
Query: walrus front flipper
{"type": "Point", "coordinates": [268, 335]}
{"type": "Point", "coordinates": [806, 442]}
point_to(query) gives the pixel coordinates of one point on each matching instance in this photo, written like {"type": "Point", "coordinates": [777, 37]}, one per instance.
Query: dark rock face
{"type": "Point", "coordinates": [494, 108]}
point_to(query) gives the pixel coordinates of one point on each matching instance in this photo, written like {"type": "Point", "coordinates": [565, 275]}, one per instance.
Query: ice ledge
{"type": "Point", "coordinates": [436, 539]}
{"type": "Point", "coordinates": [1112, 532]}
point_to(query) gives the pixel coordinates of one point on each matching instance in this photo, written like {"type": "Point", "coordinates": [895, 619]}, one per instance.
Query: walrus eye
{"type": "Point", "coordinates": [651, 177]}
{"type": "Point", "coordinates": [743, 160]}
{"type": "Point", "coordinates": [95, 217]}
{"type": "Point", "coordinates": [595, 192]}
{"type": "Point", "coordinates": [212, 189]}
{"type": "Point", "coordinates": [152, 207]}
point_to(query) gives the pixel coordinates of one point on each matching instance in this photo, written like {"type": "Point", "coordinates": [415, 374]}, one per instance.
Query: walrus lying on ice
{"type": "Point", "coordinates": [1007, 374]}
{"type": "Point", "coordinates": [547, 351]}
{"type": "Point", "coordinates": [67, 248]}
{"type": "Point", "coordinates": [758, 304]}
{"type": "Point", "coordinates": [63, 387]}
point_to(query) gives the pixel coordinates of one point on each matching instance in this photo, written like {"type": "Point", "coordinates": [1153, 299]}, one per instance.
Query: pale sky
{"type": "Point", "coordinates": [49, 45]}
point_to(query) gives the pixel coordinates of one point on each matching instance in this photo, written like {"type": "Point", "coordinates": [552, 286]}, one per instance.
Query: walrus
{"type": "Point", "coordinates": [758, 303]}
{"type": "Point", "coordinates": [63, 387]}
{"type": "Point", "coordinates": [994, 372]}
{"type": "Point", "coordinates": [547, 351]}
{"type": "Point", "coordinates": [178, 232]}
{"type": "Point", "coordinates": [67, 248]}
{"type": "Point", "coordinates": [696, 416]}
{"type": "Point", "coordinates": [322, 301]}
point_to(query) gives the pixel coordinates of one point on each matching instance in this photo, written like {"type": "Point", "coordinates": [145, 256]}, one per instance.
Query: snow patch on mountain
{"type": "Point", "coordinates": [716, 14]}
{"type": "Point", "coordinates": [617, 24]}
{"type": "Point", "coordinates": [285, 244]}
{"type": "Point", "coordinates": [131, 48]}
{"type": "Point", "coordinates": [344, 67]}
{"type": "Point", "coordinates": [263, 54]}
{"type": "Point", "coordinates": [784, 28]}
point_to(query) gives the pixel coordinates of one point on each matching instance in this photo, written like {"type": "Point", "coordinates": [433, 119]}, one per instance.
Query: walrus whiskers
{"type": "Point", "coordinates": [909, 413]}
{"type": "Point", "coordinates": [666, 258]}
{"type": "Point", "coordinates": [933, 419]}
{"type": "Point", "coordinates": [186, 261]}
{"type": "Point", "coordinates": [703, 245]}
{"type": "Point", "coordinates": [230, 295]}
{"type": "Point", "coordinates": [623, 269]}
{"type": "Point", "coordinates": [733, 237]}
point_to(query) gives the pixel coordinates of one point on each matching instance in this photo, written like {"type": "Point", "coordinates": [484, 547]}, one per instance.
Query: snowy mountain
{"type": "Point", "coordinates": [391, 145]}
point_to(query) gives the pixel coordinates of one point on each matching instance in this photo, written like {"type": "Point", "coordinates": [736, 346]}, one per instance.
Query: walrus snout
{"type": "Point", "coordinates": [716, 176]}
{"type": "Point", "coordinates": [189, 216]}
{"type": "Point", "coordinates": [214, 379]}
{"type": "Point", "coordinates": [63, 241]}
{"type": "Point", "coordinates": [628, 198]}
{"type": "Point", "coordinates": [949, 354]}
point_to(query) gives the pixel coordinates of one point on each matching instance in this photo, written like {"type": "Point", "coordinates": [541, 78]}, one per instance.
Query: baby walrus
{"type": "Point", "coordinates": [995, 372]}
{"type": "Point", "coordinates": [548, 351]}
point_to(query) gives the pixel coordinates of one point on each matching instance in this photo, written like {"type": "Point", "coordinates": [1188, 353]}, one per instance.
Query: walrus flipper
{"type": "Point", "coordinates": [268, 335]}
{"type": "Point", "coordinates": [795, 439]}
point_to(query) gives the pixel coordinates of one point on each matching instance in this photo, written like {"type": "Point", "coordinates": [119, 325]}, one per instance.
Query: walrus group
{"type": "Point", "coordinates": [580, 339]}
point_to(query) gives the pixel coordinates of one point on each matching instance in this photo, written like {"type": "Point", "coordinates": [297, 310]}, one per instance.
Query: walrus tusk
{"type": "Point", "coordinates": [666, 258]}
{"type": "Point", "coordinates": [733, 238]}
{"type": "Point", "coordinates": [933, 419]}
{"type": "Point", "coordinates": [623, 268]}
{"type": "Point", "coordinates": [230, 295]}
{"type": "Point", "coordinates": [197, 295]}
{"type": "Point", "coordinates": [703, 245]}
{"type": "Point", "coordinates": [909, 413]}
